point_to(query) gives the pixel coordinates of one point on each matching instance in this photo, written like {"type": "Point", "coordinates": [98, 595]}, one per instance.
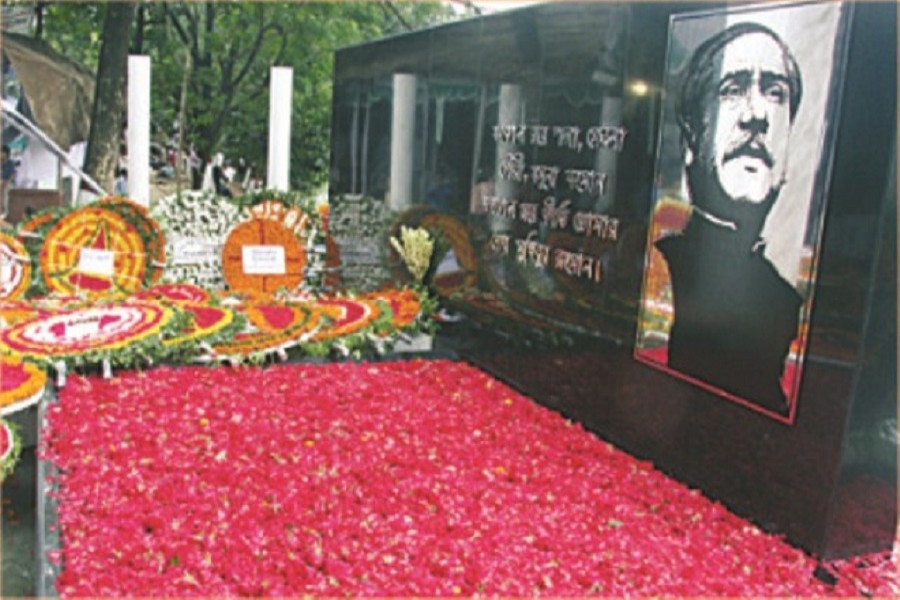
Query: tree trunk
{"type": "Point", "coordinates": [108, 115]}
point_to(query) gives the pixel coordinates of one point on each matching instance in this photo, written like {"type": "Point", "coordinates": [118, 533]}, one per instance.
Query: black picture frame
{"type": "Point", "coordinates": [736, 316]}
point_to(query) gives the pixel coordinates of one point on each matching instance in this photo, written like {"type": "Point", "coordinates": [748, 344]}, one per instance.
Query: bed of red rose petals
{"type": "Point", "coordinates": [423, 478]}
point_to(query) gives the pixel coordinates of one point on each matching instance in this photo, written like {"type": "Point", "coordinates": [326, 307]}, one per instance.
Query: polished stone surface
{"type": "Point", "coordinates": [826, 476]}
{"type": "Point", "coordinates": [19, 522]}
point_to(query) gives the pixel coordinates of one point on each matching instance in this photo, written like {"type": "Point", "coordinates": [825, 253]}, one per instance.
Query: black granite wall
{"type": "Point", "coordinates": [556, 310]}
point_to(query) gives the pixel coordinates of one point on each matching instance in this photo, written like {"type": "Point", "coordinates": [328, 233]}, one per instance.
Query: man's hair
{"type": "Point", "coordinates": [5, 149]}
{"type": "Point", "coordinates": [700, 73]}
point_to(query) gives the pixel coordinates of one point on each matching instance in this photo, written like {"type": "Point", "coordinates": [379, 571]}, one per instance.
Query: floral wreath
{"type": "Point", "coordinates": [273, 317]}
{"type": "Point", "coordinates": [97, 229]}
{"type": "Point", "coordinates": [349, 325]}
{"type": "Point", "coordinates": [301, 214]}
{"type": "Point", "coordinates": [208, 324]}
{"type": "Point", "coordinates": [347, 315]}
{"type": "Point", "coordinates": [31, 233]}
{"type": "Point", "coordinates": [457, 236]}
{"type": "Point", "coordinates": [371, 221]}
{"type": "Point", "coordinates": [410, 308]}
{"type": "Point", "coordinates": [254, 344]}
{"type": "Point", "coordinates": [15, 268]}
{"type": "Point", "coordinates": [118, 332]}
{"type": "Point", "coordinates": [175, 292]}
{"type": "Point", "coordinates": [200, 218]}
{"type": "Point", "coordinates": [10, 448]}
{"type": "Point", "coordinates": [291, 217]}
{"type": "Point", "coordinates": [22, 383]}
{"type": "Point", "coordinates": [451, 232]}
{"type": "Point", "coordinates": [151, 233]}
{"type": "Point", "coordinates": [13, 311]}
{"type": "Point", "coordinates": [262, 232]}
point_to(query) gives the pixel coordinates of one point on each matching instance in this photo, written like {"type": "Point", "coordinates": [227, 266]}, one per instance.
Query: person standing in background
{"type": "Point", "coordinates": [9, 177]}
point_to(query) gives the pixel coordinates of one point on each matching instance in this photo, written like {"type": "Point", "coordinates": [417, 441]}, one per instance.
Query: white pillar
{"type": "Point", "coordinates": [403, 127]}
{"type": "Point", "coordinates": [510, 112]}
{"type": "Point", "coordinates": [138, 138]}
{"type": "Point", "coordinates": [607, 159]}
{"type": "Point", "coordinates": [281, 95]}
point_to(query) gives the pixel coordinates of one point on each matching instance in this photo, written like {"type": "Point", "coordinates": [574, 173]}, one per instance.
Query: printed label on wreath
{"type": "Point", "coordinates": [193, 251]}
{"type": "Point", "coordinates": [79, 330]}
{"type": "Point", "coordinates": [96, 262]}
{"type": "Point", "coordinates": [263, 260]}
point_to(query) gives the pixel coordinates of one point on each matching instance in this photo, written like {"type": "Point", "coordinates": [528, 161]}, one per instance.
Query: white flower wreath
{"type": "Point", "coordinates": [195, 224]}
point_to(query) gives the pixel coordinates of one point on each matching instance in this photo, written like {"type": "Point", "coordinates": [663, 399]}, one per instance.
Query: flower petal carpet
{"type": "Point", "coordinates": [406, 478]}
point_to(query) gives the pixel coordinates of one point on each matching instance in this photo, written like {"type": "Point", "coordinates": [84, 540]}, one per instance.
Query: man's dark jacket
{"type": "Point", "coordinates": [735, 317]}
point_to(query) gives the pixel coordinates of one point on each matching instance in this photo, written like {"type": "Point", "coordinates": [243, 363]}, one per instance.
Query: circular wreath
{"type": "Point", "coordinates": [200, 219]}
{"type": "Point", "coordinates": [300, 213]}
{"type": "Point", "coordinates": [83, 331]}
{"type": "Point", "coordinates": [41, 220]}
{"type": "Point", "coordinates": [175, 292]}
{"type": "Point", "coordinates": [295, 210]}
{"type": "Point", "coordinates": [22, 383]}
{"type": "Point", "coordinates": [452, 236]}
{"type": "Point", "coordinates": [10, 449]}
{"type": "Point", "coordinates": [405, 305]}
{"type": "Point", "coordinates": [31, 234]}
{"type": "Point", "coordinates": [15, 268]}
{"type": "Point", "coordinates": [262, 232]}
{"type": "Point", "coordinates": [254, 342]}
{"type": "Point", "coordinates": [273, 317]}
{"type": "Point", "coordinates": [96, 229]}
{"type": "Point", "coordinates": [205, 322]}
{"type": "Point", "coordinates": [14, 311]}
{"type": "Point", "coordinates": [151, 233]}
{"type": "Point", "coordinates": [291, 217]}
{"type": "Point", "coordinates": [348, 316]}
{"type": "Point", "coordinates": [454, 231]}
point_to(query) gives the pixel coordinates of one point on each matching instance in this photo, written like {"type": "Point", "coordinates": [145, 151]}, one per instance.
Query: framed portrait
{"type": "Point", "coordinates": [746, 142]}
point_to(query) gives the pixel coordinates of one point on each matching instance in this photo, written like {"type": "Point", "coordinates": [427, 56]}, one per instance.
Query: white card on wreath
{"type": "Point", "coordinates": [96, 262]}
{"type": "Point", "coordinates": [193, 251]}
{"type": "Point", "coordinates": [263, 260]}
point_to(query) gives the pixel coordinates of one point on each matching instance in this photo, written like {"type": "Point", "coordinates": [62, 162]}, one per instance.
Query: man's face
{"type": "Point", "coordinates": [744, 137]}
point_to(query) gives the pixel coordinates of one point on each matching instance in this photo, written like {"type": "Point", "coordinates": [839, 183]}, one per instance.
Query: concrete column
{"type": "Point", "coordinates": [511, 112]}
{"type": "Point", "coordinates": [138, 137]}
{"type": "Point", "coordinates": [607, 160]}
{"type": "Point", "coordinates": [403, 142]}
{"type": "Point", "coordinates": [281, 95]}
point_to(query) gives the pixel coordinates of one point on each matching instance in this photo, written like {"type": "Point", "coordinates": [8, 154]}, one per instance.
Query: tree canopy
{"type": "Point", "coordinates": [211, 63]}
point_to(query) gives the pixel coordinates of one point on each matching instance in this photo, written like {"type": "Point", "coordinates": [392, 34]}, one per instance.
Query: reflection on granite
{"type": "Point", "coordinates": [18, 549]}
{"type": "Point", "coordinates": [49, 545]}
{"type": "Point", "coordinates": [778, 476]}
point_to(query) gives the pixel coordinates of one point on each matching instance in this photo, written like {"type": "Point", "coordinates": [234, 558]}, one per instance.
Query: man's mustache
{"type": "Point", "coordinates": [752, 149]}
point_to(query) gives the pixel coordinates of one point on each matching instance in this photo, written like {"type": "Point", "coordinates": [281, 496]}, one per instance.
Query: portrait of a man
{"type": "Point", "coordinates": [731, 312]}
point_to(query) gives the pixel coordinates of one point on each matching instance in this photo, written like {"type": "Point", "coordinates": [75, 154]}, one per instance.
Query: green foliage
{"type": "Point", "coordinates": [75, 30]}
{"type": "Point", "coordinates": [225, 50]}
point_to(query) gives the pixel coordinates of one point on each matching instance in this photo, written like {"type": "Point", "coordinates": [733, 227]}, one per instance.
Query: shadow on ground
{"type": "Point", "coordinates": [18, 505]}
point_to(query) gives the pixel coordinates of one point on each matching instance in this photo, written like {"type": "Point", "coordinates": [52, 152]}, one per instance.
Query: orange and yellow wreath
{"type": "Point", "coordinates": [15, 268]}
{"type": "Point", "coordinates": [22, 381]}
{"type": "Point", "coordinates": [105, 234]}
{"type": "Point", "coordinates": [147, 227]}
{"type": "Point", "coordinates": [261, 232]}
